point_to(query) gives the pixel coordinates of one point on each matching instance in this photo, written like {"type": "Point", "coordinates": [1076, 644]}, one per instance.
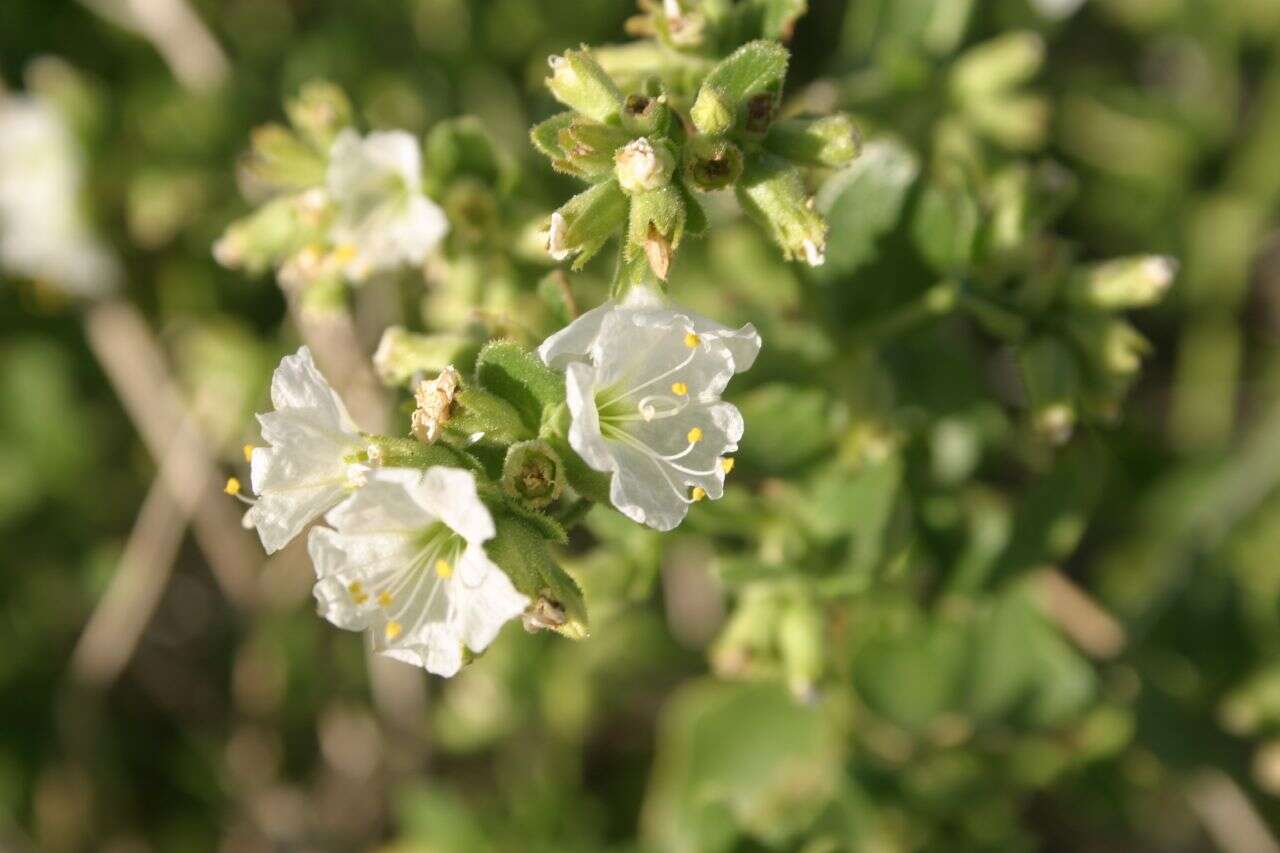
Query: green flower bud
{"type": "Point", "coordinates": [642, 166]}
{"type": "Point", "coordinates": [402, 354]}
{"type": "Point", "coordinates": [800, 643]}
{"type": "Point", "coordinates": [712, 112]}
{"type": "Point", "coordinates": [745, 646]}
{"type": "Point", "coordinates": [645, 116]}
{"type": "Point", "coordinates": [1126, 283]}
{"type": "Point", "coordinates": [279, 160]}
{"type": "Point", "coordinates": [586, 222]}
{"type": "Point", "coordinates": [590, 148]}
{"type": "Point", "coordinates": [319, 112]}
{"type": "Point", "coordinates": [1110, 343]}
{"type": "Point", "coordinates": [280, 229]}
{"type": "Point", "coordinates": [711, 163]}
{"type": "Point", "coordinates": [656, 226]}
{"type": "Point", "coordinates": [1052, 382]}
{"type": "Point", "coordinates": [772, 193]}
{"type": "Point", "coordinates": [578, 82]}
{"type": "Point", "coordinates": [533, 472]}
{"type": "Point", "coordinates": [832, 142]}
{"type": "Point", "coordinates": [998, 65]}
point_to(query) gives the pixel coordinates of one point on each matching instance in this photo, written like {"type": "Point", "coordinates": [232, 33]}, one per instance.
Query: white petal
{"type": "Point", "coordinates": [384, 503]}
{"type": "Point", "coordinates": [584, 428]}
{"type": "Point", "coordinates": [573, 342]}
{"type": "Point", "coordinates": [484, 606]}
{"type": "Point", "coordinates": [450, 495]}
{"type": "Point", "coordinates": [279, 517]}
{"type": "Point", "coordinates": [298, 384]}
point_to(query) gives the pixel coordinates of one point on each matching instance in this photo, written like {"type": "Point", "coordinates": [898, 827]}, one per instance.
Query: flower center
{"type": "Point", "coordinates": [406, 595]}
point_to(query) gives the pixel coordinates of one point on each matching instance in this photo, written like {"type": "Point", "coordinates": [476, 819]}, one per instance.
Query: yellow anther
{"type": "Point", "coordinates": [345, 253]}
{"type": "Point", "coordinates": [358, 595]}
{"type": "Point", "coordinates": [393, 630]}
{"type": "Point", "coordinates": [232, 487]}
{"type": "Point", "coordinates": [443, 569]}
{"type": "Point", "coordinates": [248, 453]}
{"type": "Point", "coordinates": [695, 435]}
{"type": "Point", "coordinates": [384, 599]}
{"type": "Point", "coordinates": [698, 493]}
{"type": "Point", "coordinates": [726, 464]}
{"type": "Point", "coordinates": [691, 340]}
{"type": "Point", "coordinates": [679, 389]}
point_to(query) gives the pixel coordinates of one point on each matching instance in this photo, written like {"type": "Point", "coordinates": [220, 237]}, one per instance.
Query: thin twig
{"type": "Point", "coordinates": [176, 32]}
{"type": "Point", "coordinates": [112, 633]}
{"type": "Point", "coordinates": [135, 366]}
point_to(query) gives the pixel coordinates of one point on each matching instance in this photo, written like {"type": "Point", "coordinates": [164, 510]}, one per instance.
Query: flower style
{"type": "Point", "coordinates": [43, 233]}
{"type": "Point", "coordinates": [643, 385]}
{"type": "Point", "coordinates": [383, 218]}
{"type": "Point", "coordinates": [309, 466]}
{"type": "Point", "coordinates": [406, 562]}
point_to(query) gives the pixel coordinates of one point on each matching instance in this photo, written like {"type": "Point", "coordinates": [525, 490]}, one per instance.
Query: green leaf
{"type": "Point", "coordinates": [519, 377]}
{"type": "Point", "coordinates": [787, 427]}
{"type": "Point", "coordinates": [864, 202]}
{"type": "Point", "coordinates": [739, 759]}
{"type": "Point", "coordinates": [754, 68]}
{"type": "Point", "coordinates": [583, 479]}
{"type": "Point", "coordinates": [945, 227]}
{"type": "Point", "coordinates": [520, 550]}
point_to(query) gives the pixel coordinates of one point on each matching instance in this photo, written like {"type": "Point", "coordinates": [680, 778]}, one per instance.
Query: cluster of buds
{"type": "Point", "coordinates": [649, 156]}
{"type": "Point", "coordinates": [1090, 359]}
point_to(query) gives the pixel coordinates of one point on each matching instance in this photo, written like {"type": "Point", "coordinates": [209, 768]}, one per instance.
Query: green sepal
{"type": "Point", "coordinates": [479, 411]}
{"type": "Point", "coordinates": [547, 527]}
{"type": "Point", "coordinates": [520, 378]}
{"type": "Point", "coordinates": [520, 550]}
{"type": "Point", "coordinates": [396, 452]}
{"type": "Point", "coordinates": [281, 160]}
{"type": "Point", "coordinates": [545, 137]}
{"type": "Point", "coordinates": [590, 219]}
{"type": "Point", "coordinates": [582, 478]}
{"type": "Point", "coordinates": [831, 141]}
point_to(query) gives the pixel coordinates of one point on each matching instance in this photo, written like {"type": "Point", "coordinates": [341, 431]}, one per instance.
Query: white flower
{"type": "Point", "coordinates": [640, 167]}
{"type": "Point", "coordinates": [406, 562]}
{"type": "Point", "coordinates": [308, 468]}
{"type": "Point", "coordinates": [643, 385]}
{"type": "Point", "coordinates": [383, 220]}
{"type": "Point", "coordinates": [43, 232]}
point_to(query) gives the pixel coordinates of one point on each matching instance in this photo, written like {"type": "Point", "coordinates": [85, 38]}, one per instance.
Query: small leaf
{"type": "Point", "coordinates": [864, 202]}
{"type": "Point", "coordinates": [508, 370]}
{"type": "Point", "coordinates": [520, 550]}
{"type": "Point", "coordinates": [945, 227]}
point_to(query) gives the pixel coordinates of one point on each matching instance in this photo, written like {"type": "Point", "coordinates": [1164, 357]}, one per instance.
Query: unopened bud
{"type": "Point", "coordinates": [645, 116]}
{"type": "Point", "coordinates": [800, 643]}
{"type": "Point", "coordinates": [588, 147]}
{"type": "Point", "coordinates": [998, 64]}
{"type": "Point", "coordinates": [711, 163]}
{"type": "Point", "coordinates": [684, 28]}
{"type": "Point", "coordinates": [831, 142]}
{"type": "Point", "coordinates": [319, 112]}
{"type": "Point", "coordinates": [1127, 283]}
{"type": "Point", "coordinates": [712, 112]}
{"type": "Point", "coordinates": [533, 472]}
{"type": "Point", "coordinates": [658, 218]}
{"type": "Point", "coordinates": [1114, 345]}
{"type": "Point", "coordinates": [578, 82]}
{"type": "Point", "coordinates": [402, 354]}
{"type": "Point", "coordinates": [1052, 382]}
{"type": "Point", "coordinates": [586, 222]}
{"type": "Point", "coordinates": [772, 193]}
{"type": "Point", "coordinates": [435, 399]}
{"type": "Point", "coordinates": [642, 166]}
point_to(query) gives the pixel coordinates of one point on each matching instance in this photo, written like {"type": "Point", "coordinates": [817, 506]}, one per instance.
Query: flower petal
{"type": "Point", "coordinates": [573, 342]}
{"type": "Point", "coordinates": [482, 609]}
{"type": "Point", "coordinates": [450, 495]}
{"type": "Point", "coordinates": [298, 384]}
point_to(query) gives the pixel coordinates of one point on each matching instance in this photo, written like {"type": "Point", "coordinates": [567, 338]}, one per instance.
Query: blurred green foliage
{"type": "Point", "coordinates": [980, 585]}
